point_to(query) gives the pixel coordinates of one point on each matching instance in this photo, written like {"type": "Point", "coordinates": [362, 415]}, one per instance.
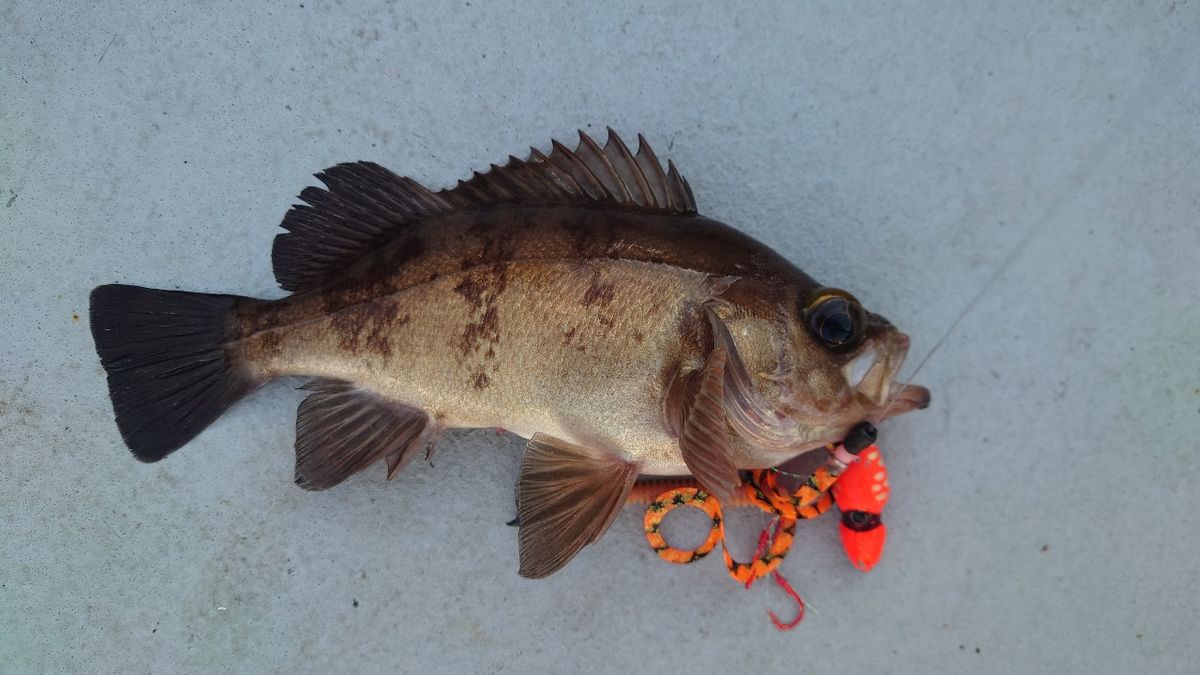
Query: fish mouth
{"type": "Point", "coordinates": [905, 398]}
{"type": "Point", "coordinates": [871, 374]}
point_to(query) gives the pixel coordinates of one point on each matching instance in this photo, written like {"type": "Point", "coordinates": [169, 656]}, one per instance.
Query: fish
{"type": "Point", "coordinates": [575, 298]}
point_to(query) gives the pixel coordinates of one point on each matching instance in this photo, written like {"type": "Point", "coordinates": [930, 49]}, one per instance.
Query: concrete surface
{"type": "Point", "coordinates": [1044, 157]}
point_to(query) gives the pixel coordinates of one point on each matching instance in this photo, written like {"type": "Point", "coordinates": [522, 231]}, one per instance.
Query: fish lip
{"type": "Point", "coordinates": [906, 398]}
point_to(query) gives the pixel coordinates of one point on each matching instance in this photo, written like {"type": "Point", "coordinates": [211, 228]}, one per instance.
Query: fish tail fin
{"type": "Point", "coordinates": [170, 373]}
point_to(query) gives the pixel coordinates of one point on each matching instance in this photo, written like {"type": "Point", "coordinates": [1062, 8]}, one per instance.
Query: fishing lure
{"type": "Point", "coordinates": [860, 494]}
{"type": "Point", "coordinates": [853, 476]}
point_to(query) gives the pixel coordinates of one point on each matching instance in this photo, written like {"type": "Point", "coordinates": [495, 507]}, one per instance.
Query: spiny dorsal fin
{"type": "Point", "coordinates": [589, 174]}
{"type": "Point", "coordinates": [363, 205]}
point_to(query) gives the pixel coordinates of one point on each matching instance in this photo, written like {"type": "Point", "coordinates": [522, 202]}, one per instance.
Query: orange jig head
{"type": "Point", "coordinates": [861, 493]}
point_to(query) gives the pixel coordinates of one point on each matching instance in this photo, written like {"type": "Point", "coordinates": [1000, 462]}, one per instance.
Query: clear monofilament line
{"type": "Point", "coordinates": [1082, 173]}
{"type": "Point", "coordinates": [983, 290]}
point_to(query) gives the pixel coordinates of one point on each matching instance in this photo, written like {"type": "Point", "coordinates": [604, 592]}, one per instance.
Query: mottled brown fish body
{"type": "Point", "coordinates": [575, 298]}
{"type": "Point", "coordinates": [578, 349]}
{"type": "Point", "coordinates": [556, 319]}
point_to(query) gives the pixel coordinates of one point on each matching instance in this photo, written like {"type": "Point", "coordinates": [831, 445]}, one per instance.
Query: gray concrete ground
{"type": "Point", "coordinates": [1044, 510]}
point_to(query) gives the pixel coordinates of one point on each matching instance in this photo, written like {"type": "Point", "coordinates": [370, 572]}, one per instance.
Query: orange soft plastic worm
{"type": "Point", "coordinates": [674, 498]}
{"type": "Point", "coordinates": [810, 500]}
{"type": "Point", "coordinates": [859, 485]}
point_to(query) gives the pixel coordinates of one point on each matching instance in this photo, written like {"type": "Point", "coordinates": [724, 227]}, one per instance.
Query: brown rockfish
{"type": "Point", "coordinates": [574, 298]}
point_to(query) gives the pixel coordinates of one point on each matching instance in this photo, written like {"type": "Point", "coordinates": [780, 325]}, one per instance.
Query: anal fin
{"type": "Point", "coordinates": [342, 429]}
{"type": "Point", "coordinates": [567, 497]}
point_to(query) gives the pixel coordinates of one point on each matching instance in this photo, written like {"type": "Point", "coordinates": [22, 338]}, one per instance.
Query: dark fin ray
{"type": "Point", "coordinates": [169, 375]}
{"type": "Point", "coordinates": [363, 204]}
{"type": "Point", "coordinates": [341, 429]}
{"type": "Point", "coordinates": [589, 174]}
{"type": "Point", "coordinates": [704, 432]}
{"type": "Point", "coordinates": [567, 497]}
{"type": "Point", "coordinates": [656, 178]}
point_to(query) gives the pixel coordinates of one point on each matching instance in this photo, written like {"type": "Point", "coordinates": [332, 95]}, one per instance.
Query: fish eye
{"type": "Point", "coordinates": [837, 321]}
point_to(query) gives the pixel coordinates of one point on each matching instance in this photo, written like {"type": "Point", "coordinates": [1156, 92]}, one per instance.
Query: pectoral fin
{"type": "Point", "coordinates": [567, 497]}
{"type": "Point", "coordinates": [703, 431]}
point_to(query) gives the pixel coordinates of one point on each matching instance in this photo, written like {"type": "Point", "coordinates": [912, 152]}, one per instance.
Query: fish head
{"type": "Point", "coordinates": [843, 363]}
{"type": "Point", "coordinates": [804, 376]}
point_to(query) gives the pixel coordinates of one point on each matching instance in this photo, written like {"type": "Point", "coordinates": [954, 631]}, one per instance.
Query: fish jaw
{"type": "Point", "coordinates": [873, 372]}
{"type": "Point", "coordinates": [906, 398]}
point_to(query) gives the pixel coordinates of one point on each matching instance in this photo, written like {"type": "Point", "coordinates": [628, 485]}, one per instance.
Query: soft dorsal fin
{"type": "Point", "coordinates": [364, 204]}
{"type": "Point", "coordinates": [588, 174]}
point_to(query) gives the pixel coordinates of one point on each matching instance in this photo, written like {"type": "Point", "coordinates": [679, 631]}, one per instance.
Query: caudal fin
{"type": "Point", "coordinates": [169, 374]}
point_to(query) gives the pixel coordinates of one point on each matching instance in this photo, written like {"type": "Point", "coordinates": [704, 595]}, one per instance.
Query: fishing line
{"type": "Point", "coordinates": [983, 290]}
{"type": "Point", "coordinates": [1082, 174]}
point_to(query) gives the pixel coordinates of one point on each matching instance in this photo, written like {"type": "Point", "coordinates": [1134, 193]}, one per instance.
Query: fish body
{"type": "Point", "coordinates": [576, 299]}
{"type": "Point", "coordinates": [563, 320]}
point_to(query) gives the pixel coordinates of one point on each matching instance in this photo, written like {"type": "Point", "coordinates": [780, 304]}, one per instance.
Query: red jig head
{"type": "Point", "coordinates": [861, 493]}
